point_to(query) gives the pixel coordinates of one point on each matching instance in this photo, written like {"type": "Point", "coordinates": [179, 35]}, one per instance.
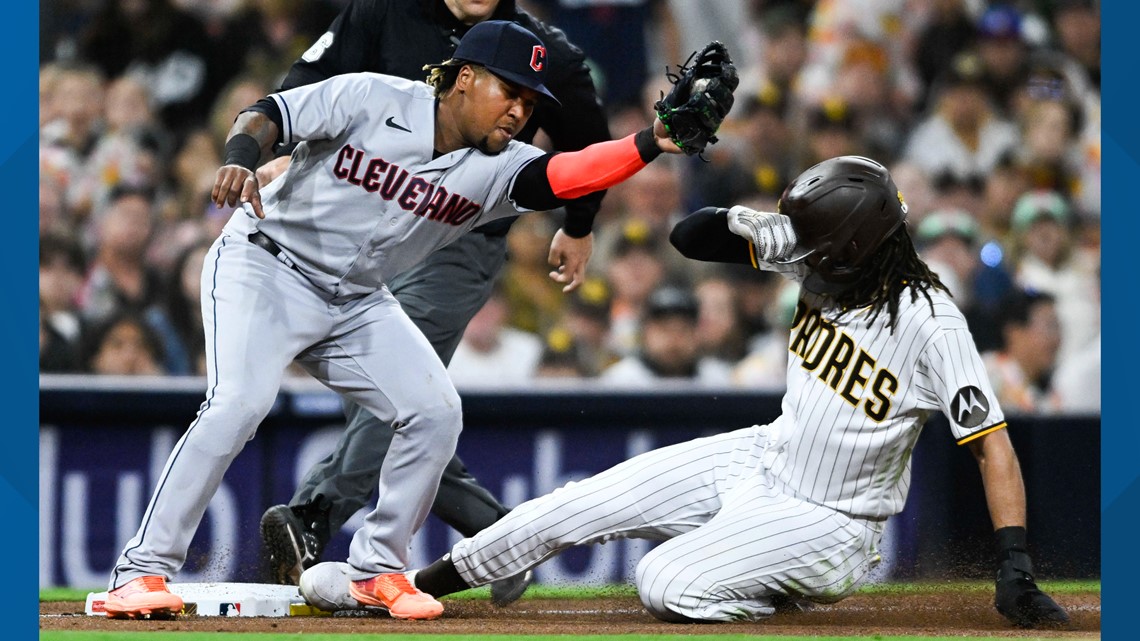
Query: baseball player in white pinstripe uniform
{"type": "Point", "coordinates": [794, 508]}
{"type": "Point", "coordinates": [387, 170]}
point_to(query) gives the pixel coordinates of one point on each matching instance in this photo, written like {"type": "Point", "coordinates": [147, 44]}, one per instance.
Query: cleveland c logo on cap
{"type": "Point", "coordinates": [538, 57]}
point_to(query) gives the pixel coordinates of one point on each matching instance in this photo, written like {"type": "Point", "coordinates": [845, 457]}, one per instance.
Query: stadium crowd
{"type": "Point", "coordinates": [987, 113]}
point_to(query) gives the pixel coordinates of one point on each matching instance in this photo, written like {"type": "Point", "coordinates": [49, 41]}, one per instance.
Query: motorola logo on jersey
{"type": "Point", "coordinates": [969, 407]}
{"type": "Point", "coordinates": [390, 182]}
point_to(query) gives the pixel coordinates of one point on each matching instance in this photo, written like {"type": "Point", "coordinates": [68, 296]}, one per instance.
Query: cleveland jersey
{"type": "Point", "coordinates": [364, 197]}
{"type": "Point", "coordinates": [858, 395]}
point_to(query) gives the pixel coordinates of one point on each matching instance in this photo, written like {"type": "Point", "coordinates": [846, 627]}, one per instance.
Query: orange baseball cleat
{"type": "Point", "coordinates": [143, 598]}
{"type": "Point", "coordinates": [397, 595]}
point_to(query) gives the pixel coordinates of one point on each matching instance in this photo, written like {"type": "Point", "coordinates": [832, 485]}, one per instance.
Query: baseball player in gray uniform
{"type": "Point", "coordinates": [794, 508]}
{"type": "Point", "coordinates": [387, 170]}
{"type": "Point", "coordinates": [443, 293]}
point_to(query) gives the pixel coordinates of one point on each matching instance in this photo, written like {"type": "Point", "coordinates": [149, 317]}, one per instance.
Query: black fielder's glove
{"type": "Point", "coordinates": [1017, 597]}
{"type": "Point", "coordinates": [700, 98]}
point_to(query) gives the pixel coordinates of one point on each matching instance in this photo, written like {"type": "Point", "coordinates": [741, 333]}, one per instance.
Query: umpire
{"type": "Point", "coordinates": [399, 37]}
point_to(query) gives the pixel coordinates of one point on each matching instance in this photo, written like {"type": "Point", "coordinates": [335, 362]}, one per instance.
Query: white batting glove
{"type": "Point", "coordinates": [771, 234]}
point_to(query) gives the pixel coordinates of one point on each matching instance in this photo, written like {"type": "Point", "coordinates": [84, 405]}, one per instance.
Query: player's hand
{"type": "Point", "coordinates": [664, 142]}
{"type": "Point", "coordinates": [570, 256]}
{"type": "Point", "coordinates": [268, 172]}
{"type": "Point", "coordinates": [1018, 599]}
{"type": "Point", "coordinates": [234, 184]}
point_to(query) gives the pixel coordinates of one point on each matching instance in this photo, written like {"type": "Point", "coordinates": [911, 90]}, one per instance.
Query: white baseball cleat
{"type": "Point", "coordinates": [325, 586]}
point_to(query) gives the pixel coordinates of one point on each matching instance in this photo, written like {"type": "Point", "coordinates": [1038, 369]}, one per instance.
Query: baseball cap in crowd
{"type": "Point", "coordinates": [508, 51]}
{"type": "Point", "coordinates": [832, 113]}
{"type": "Point", "coordinates": [671, 300]}
{"type": "Point", "coordinates": [592, 299]}
{"type": "Point", "coordinates": [947, 222]}
{"type": "Point", "coordinates": [635, 234]}
{"type": "Point", "coordinates": [1035, 205]}
{"type": "Point", "coordinates": [1000, 22]}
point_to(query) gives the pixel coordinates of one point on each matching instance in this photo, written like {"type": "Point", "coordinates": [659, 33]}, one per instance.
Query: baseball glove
{"type": "Point", "coordinates": [700, 98]}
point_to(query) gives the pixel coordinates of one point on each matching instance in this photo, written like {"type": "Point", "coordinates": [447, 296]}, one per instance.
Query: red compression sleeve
{"type": "Point", "coordinates": [600, 166]}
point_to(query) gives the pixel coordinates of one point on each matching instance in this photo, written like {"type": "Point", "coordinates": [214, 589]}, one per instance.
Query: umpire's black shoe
{"type": "Point", "coordinates": [291, 540]}
{"type": "Point", "coordinates": [507, 591]}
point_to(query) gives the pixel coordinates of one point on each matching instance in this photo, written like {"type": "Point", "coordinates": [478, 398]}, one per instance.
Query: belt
{"type": "Point", "coordinates": [266, 243]}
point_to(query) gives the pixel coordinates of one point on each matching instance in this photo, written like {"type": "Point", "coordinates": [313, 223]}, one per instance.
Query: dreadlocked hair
{"type": "Point", "coordinates": [893, 269]}
{"type": "Point", "coordinates": [442, 76]}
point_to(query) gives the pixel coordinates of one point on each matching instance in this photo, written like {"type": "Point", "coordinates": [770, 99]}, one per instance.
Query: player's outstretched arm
{"type": "Point", "coordinates": [251, 137]}
{"type": "Point", "coordinates": [1017, 596]}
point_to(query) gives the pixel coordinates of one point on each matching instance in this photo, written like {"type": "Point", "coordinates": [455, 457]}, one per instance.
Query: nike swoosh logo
{"type": "Point", "coordinates": [393, 125]}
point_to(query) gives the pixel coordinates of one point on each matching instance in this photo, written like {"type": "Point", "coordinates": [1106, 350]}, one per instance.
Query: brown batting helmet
{"type": "Point", "coordinates": [842, 210]}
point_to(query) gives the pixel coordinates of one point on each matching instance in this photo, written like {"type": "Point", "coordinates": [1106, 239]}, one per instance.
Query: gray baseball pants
{"type": "Point", "coordinates": [440, 296]}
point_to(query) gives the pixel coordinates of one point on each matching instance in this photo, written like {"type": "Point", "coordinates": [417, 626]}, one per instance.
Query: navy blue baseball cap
{"type": "Point", "coordinates": [508, 51]}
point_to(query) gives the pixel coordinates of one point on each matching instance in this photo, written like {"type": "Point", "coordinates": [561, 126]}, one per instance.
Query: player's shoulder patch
{"type": "Point", "coordinates": [969, 407]}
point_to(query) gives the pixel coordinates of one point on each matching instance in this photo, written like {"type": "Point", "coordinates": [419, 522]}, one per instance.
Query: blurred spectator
{"type": "Point", "coordinates": [62, 266]}
{"type": "Point", "coordinates": [633, 272]}
{"type": "Point", "coordinates": [723, 20]}
{"type": "Point", "coordinates": [1048, 150]}
{"type": "Point", "coordinates": [668, 348]}
{"type": "Point", "coordinates": [179, 321]}
{"type": "Point", "coordinates": [1076, 380]}
{"type": "Point", "coordinates": [781, 34]}
{"type": "Point", "coordinates": [1003, 186]}
{"type": "Point", "coordinates": [765, 367]}
{"type": "Point", "coordinates": [949, 31]}
{"type": "Point", "coordinates": [1004, 55]}
{"type": "Point", "coordinates": [720, 332]}
{"type": "Point", "coordinates": [124, 345]}
{"type": "Point", "coordinates": [830, 132]}
{"type": "Point", "coordinates": [493, 354]}
{"type": "Point", "coordinates": [1077, 24]}
{"type": "Point", "coordinates": [1046, 260]}
{"type": "Point", "coordinates": [1031, 337]}
{"type": "Point", "coordinates": [167, 49]}
{"type": "Point", "coordinates": [587, 321]}
{"type": "Point", "coordinates": [561, 358]}
{"type": "Point", "coordinates": [649, 203]}
{"type": "Point", "coordinates": [535, 301]}
{"type": "Point", "coordinates": [118, 277]}
{"type": "Point", "coordinates": [844, 34]}
{"type": "Point", "coordinates": [767, 141]}
{"type": "Point", "coordinates": [71, 119]}
{"type": "Point", "coordinates": [950, 242]}
{"type": "Point", "coordinates": [964, 138]}
{"type": "Point", "coordinates": [129, 150]}
{"type": "Point", "coordinates": [268, 35]}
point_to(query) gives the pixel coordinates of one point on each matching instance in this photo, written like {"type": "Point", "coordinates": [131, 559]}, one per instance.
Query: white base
{"type": "Point", "coordinates": [228, 600]}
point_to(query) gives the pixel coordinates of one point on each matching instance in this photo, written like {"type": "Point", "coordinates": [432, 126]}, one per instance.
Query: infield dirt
{"type": "Point", "coordinates": [926, 614]}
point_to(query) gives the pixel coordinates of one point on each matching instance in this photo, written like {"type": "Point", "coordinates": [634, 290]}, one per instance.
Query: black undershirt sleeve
{"type": "Point", "coordinates": [268, 107]}
{"type": "Point", "coordinates": [532, 188]}
{"type": "Point", "coordinates": [704, 235]}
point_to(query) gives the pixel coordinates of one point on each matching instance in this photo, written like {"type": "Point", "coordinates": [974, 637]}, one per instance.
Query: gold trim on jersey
{"type": "Point", "coordinates": [975, 435]}
{"type": "Point", "coordinates": [752, 255]}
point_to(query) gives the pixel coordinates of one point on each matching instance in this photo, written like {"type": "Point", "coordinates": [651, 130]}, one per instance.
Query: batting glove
{"type": "Point", "coordinates": [771, 234]}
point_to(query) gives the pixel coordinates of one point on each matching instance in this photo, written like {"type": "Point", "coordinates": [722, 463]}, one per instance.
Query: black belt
{"type": "Point", "coordinates": [266, 243]}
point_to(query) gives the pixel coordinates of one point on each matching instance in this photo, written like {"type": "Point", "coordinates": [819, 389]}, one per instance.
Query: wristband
{"type": "Point", "coordinates": [646, 144]}
{"type": "Point", "coordinates": [242, 150]}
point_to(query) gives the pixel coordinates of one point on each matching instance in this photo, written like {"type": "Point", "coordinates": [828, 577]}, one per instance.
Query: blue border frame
{"type": "Point", "coordinates": [19, 489]}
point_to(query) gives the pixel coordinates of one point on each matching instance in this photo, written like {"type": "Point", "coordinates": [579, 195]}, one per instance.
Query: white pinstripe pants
{"type": "Point", "coordinates": [731, 537]}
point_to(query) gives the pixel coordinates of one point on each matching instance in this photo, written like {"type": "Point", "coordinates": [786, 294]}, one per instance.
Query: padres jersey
{"type": "Point", "coordinates": [364, 199]}
{"type": "Point", "coordinates": [858, 396]}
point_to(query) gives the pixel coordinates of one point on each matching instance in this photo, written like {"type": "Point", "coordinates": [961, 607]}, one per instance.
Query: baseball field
{"type": "Point", "coordinates": [924, 611]}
